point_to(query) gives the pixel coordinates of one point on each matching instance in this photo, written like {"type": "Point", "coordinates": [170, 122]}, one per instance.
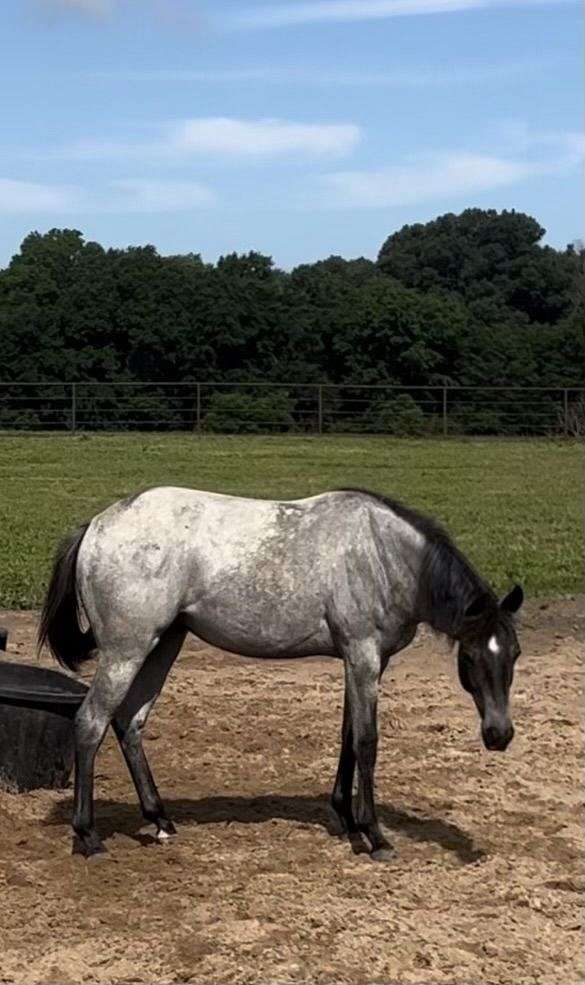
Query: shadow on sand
{"type": "Point", "coordinates": [125, 818]}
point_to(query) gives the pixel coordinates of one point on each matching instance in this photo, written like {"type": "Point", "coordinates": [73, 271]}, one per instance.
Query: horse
{"type": "Point", "coordinates": [348, 574]}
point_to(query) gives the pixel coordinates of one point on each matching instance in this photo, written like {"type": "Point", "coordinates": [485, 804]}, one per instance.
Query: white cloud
{"type": "Point", "coordinates": [123, 196]}
{"type": "Point", "coordinates": [319, 11]}
{"type": "Point", "coordinates": [227, 138]}
{"type": "Point", "coordinates": [449, 175]}
{"type": "Point", "coordinates": [441, 177]}
{"type": "Point", "coordinates": [262, 138]}
{"type": "Point", "coordinates": [30, 196]}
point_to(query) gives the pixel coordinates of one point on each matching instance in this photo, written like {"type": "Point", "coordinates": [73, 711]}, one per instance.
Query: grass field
{"type": "Point", "coordinates": [515, 507]}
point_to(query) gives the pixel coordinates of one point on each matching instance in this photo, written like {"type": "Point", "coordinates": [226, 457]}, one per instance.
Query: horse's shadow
{"type": "Point", "coordinates": [125, 818]}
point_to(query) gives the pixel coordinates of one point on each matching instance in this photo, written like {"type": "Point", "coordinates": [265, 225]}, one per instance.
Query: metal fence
{"type": "Point", "coordinates": [230, 408]}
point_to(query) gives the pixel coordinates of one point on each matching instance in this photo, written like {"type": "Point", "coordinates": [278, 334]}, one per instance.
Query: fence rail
{"type": "Point", "coordinates": [310, 408]}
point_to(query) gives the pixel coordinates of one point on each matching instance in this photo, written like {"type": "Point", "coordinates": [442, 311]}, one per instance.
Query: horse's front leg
{"type": "Point", "coordinates": [363, 668]}
{"type": "Point", "coordinates": [342, 796]}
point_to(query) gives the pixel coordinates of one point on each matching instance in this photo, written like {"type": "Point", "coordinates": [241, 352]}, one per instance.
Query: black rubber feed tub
{"type": "Point", "coordinates": [37, 707]}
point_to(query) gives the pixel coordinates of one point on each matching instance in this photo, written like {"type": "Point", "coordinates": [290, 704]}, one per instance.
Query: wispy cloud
{"type": "Point", "coordinates": [181, 14]}
{"type": "Point", "coordinates": [225, 138]}
{"type": "Point", "coordinates": [443, 176]}
{"type": "Point", "coordinates": [566, 148]}
{"type": "Point", "coordinates": [417, 77]}
{"type": "Point", "coordinates": [31, 197]}
{"type": "Point", "coordinates": [449, 175]}
{"type": "Point", "coordinates": [319, 11]}
{"type": "Point", "coordinates": [123, 196]}
{"type": "Point", "coordinates": [139, 195]}
{"type": "Point", "coordinates": [95, 8]}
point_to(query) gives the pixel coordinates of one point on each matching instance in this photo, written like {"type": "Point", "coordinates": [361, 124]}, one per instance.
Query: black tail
{"type": "Point", "coordinates": [59, 626]}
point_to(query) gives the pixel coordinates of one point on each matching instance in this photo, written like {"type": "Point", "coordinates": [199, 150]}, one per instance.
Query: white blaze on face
{"type": "Point", "coordinates": [493, 645]}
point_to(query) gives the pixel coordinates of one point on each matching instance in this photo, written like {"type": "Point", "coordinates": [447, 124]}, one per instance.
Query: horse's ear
{"type": "Point", "coordinates": [512, 602]}
{"type": "Point", "coordinates": [478, 607]}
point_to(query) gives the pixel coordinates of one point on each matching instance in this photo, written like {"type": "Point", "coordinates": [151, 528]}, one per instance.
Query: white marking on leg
{"type": "Point", "coordinates": [162, 835]}
{"type": "Point", "coordinates": [493, 645]}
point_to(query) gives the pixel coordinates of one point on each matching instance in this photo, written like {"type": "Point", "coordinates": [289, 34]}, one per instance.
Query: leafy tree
{"type": "Point", "coordinates": [473, 299]}
{"type": "Point", "coordinates": [52, 320]}
{"type": "Point", "coordinates": [373, 330]}
{"type": "Point", "coordinates": [491, 259]}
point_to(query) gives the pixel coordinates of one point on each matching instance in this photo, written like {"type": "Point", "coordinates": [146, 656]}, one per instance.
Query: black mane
{"type": "Point", "coordinates": [449, 584]}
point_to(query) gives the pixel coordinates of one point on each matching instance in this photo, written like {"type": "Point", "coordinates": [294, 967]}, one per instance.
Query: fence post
{"type": "Point", "coordinates": [320, 409]}
{"type": "Point", "coordinates": [198, 408]}
{"type": "Point", "coordinates": [73, 408]}
{"type": "Point", "coordinates": [566, 411]}
{"type": "Point", "coordinates": [445, 420]}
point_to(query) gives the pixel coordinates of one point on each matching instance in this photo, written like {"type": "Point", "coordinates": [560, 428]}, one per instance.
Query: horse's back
{"type": "Point", "coordinates": [235, 568]}
{"type": "Point", "coordinates": [175, 513]}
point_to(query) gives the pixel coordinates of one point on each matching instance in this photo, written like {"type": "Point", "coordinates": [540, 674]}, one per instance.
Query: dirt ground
{"type": "Point", "coordinates": [486, 885]}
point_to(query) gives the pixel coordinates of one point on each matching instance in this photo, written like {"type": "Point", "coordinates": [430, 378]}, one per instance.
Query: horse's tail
{"type": "Point", "coordinates": [59, 626]}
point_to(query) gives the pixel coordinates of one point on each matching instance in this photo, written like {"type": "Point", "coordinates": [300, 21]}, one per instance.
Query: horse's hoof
{"type": "Point", "coordinates": [386, 854]}
{"type": "Point", "coordinates": [165, 830]}
{"type": "Point", "coordinates": [88, 847]}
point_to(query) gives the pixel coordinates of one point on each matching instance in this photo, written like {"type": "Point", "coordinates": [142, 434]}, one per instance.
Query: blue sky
{"type": "Point", "coordinates": [299, 129]}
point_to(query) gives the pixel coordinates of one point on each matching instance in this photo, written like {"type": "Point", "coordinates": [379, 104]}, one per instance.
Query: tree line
{"type": "Point", "coordinates": [471, 299]}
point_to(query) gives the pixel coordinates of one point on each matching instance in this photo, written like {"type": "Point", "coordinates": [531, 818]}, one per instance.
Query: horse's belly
{"type": "Point", "coordinates": [270, 630]}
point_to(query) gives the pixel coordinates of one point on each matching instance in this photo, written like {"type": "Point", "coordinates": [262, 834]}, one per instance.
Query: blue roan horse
{"type": "Point", "coordinates": [348, 574]}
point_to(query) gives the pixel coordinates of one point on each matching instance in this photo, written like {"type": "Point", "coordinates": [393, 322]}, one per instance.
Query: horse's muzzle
{"type": "Point", "coordinates": [496, 738]}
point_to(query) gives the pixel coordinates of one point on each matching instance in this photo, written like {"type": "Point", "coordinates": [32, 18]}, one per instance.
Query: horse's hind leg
{"type": "Point", "coordinates": [131, 718]}
{"type": "Point", "coordinates": [108, 689]}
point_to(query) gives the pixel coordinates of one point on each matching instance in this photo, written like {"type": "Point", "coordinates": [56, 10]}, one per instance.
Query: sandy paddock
{"type": "Point", "coordinates": [486, 885]}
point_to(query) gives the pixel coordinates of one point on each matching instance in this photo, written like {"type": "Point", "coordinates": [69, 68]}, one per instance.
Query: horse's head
{"type": "Point", "coordinates": [488, 650]}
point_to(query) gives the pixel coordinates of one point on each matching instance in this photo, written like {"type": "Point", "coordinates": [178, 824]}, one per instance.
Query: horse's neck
{"type": "Point", "coordinates": [401, 551]}
{"type": "Point", "coordinates": [448, 584]}
{"type": "Point", "coordinates": [430, 569]}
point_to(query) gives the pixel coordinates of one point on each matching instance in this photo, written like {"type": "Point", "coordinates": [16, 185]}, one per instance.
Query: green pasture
{"type": "Point", "coordinates": [514, 506]}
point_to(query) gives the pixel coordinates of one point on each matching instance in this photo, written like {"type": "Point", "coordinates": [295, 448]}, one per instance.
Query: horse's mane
{"type": "Point", "coordinates": [449, 584]}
